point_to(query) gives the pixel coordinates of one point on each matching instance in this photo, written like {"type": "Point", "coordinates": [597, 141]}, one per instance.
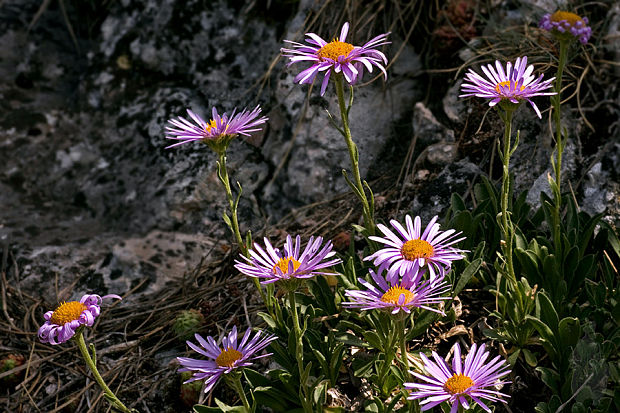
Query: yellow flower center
{"type": "Point", "coordinates": [572, 18]}
{"type": "Point", "coordinates": [67, 312]}
{"type": "Point", "coordinates": [506, 83]}
{"type": "Point", "coordinates": [417, 248]}
{"type": "Point", "coordinates": [282, 264]}
{"type": "Point", "coordinates": [458, 384]}
{"type": "Point", "coordinates": [212, 124]}
{"type": "Point", "coordinates": [391, 296]}
{"type": "Point", "coordinates": [335, 49]}
{"type": "Point", "coordinates": [228, 357]}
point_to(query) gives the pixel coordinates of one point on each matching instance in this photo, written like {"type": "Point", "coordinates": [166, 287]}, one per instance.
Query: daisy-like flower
{"type": "Point", "coordinates": [337, 56]}
{"type": "Point", "coordinates": [405, 295]}
{"type": "Point", "coordinates": [567, 25]}
{"type": "Point", "coordinates": [224, 356]}
{"type": "Point", "coordinates": [217, 132]}
{"type": "Point", "coordinates": [289, 265]}
{"type": "Point", "coordinates": [513, 85]}
{"type": "Point", "coordinates": [462, 384]}
{"type": "Point", "coordinates": [60, 325]}
{"type": "Point", "coordinates": [413, 249]}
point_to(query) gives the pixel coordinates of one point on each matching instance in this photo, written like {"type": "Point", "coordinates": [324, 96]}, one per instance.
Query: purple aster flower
{"type": "Point", "coordinates": [409, 293]}
{"type": "Point", "coordinates": [413, 249]}
{"type": "Point", "coordinates": [514, 85]}
{"type": "Point", "coordinates": [463, 383]}
{"type": "Point", "coordinates": [216, 133]}
{"type": "Point", "coordinates": [60, 325]}
{"type": "Point", "coordinates": [224, 356]}
{"type": "Point", "coordinates": [567, 25]}
{"type": "Point", "coordinates": [273, 266]}
{"type": "Point", "coordinates": [336, 55]}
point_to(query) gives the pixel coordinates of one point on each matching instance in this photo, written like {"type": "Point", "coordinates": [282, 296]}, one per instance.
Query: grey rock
{"type": "Point", "coordinates": [442, 153]}
{"type": "Point", "coordinates": [453, 106]}
{"type": "Point", "coordinates": [426, 127]}
{"type": "Point", "coordinates": [434, 196]}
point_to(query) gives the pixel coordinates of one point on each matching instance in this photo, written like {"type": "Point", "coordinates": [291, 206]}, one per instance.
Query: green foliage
{"type": "Point", "coordinates": [567, 299]}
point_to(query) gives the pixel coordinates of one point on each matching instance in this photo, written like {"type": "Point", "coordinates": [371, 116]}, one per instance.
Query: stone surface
{"type": "Point", "coordinates": [427, 128]}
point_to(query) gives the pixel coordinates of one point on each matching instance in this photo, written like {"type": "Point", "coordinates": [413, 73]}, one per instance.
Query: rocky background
{"type": "Point", "coordinates": [91, 201]}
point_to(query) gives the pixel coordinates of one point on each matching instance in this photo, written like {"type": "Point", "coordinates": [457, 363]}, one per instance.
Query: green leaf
{"type": "Point", "coordinates": [546, 335]}
{"type": "Point", "coordinates": [551, 378]}
{"type": "Point", "coordinates": [273, 397]}
{"type": "Point", "coordinates": [570, 331]}
{"type": "Point", "coordinates": [374, 340]}
{"type": "Point", "coordinates": [512, 359]}
{"type": "Point", "coordinates": [530, 358]}
{"type": "Point", "coordinates": [199, 408]}
{"type": "Point", "coordinates": [457, 202]}
{"type": "Point", "coordinates": [350, 339]}
{"type": "Point", "coordinates": [226, 219]}
{"type": "Point", "coordinates": [267, 319]}
{"type": "Point", "coordinates": [547, 311]}
{"type": "Point", "coordinates": [469, 272]}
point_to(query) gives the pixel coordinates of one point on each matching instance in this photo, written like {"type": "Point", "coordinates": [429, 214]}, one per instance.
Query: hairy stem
{"type": "Point", "coordinates": [299, 355]}
{"type": "Point", "coordinates": [354, 156]}
{"type": "Point", "coordinates": [506, 221]}
{"type": "Point", "coordinates": [559, 144]}
{"type": "Point", "coordinates": [109, 395]}
{"type": "Point", "coordinates": [403, 343]}
{"type": "Point", "coordinates": [234, 223]}
{"type": "Point", "coordinates": [238, 387]}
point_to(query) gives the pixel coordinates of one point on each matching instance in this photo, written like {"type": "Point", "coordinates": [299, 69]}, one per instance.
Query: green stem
{"type": "Point", "coordinates": [354, 155]}
{"type": "Point", "coordinates": [234, 223]}
{"type": "Point", "coordinates": [299, 354]}
{"type": "Point", "coordinates": [231, 202]}
{"type": "Point", "coordinates": [109, 395]}
{"type": "Point", "coordinates": [389, 356]}
{"type": "Point", "coordinates": [403, 343]}
{"type": "Point", "coordinates": [238, 387]}
{"type": "Point", "coordinates": [559, 143]}
{"type": "Point", "coordinates": [506, 221]}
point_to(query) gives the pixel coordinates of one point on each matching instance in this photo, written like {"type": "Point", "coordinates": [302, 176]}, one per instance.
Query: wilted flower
{"type": "Point", "coordinates": [461, 384]}
{"type": "Point", "coordinates": [60, 325]}
{"type": "Point", "coordinates": [567, 25]}
{"type": "Point", "coordinates": [273, 266]}
{"type": "Point", "coordinates": [336, 55]}
{"type": "Point", "coordinates": [218, 132]}
{"type": "Point", "coordinates": [409, 293]}
{"type": "Point", "coordinates": [224, 356]}
{"type": "Point", "coordinates": [413, 249]}
{"type": "Point", "coordinates": [514, 85]}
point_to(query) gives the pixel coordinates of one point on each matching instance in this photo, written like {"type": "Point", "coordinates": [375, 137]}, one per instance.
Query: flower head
{"type": "Point", "coordinates": [514, 85]}
{"type": "Point", "coordinates": [60, 325]}
{"type": "Point", "coordinates": [463, 382]}
{"type": "Point", "coordinates": [223, 356]}
{"type": "Point", "coordinates": [289, 265]}
{"type": "Point", "coordinates": [218, 132]}
{"type": "Point", "coordinates": [337, 56]}
{"type": "Point", "coordinates": [409, 293]}
{"type": "Point", "coordinates": [567, 25]}
{"type": "Point", "coordinates": [413, 249]}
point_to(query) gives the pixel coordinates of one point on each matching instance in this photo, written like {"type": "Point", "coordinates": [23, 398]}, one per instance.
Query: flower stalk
{"type": "Point", "coordinates": [234, 381]}
{"type": "Point", "coordinates": [232, 221]}
{"type": "Point", "coordinates": [357, 186]}
{"type": "Point", "coordinates": [560, 143]}
{"type": "Point", "coordinates": [400, 325]}
{"type": "Point", "coordinates": [92, 365]}
{"type": "Point", "coordinates": [506, 222]}
{"type": "Point", "coordinates": [306, 402]}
